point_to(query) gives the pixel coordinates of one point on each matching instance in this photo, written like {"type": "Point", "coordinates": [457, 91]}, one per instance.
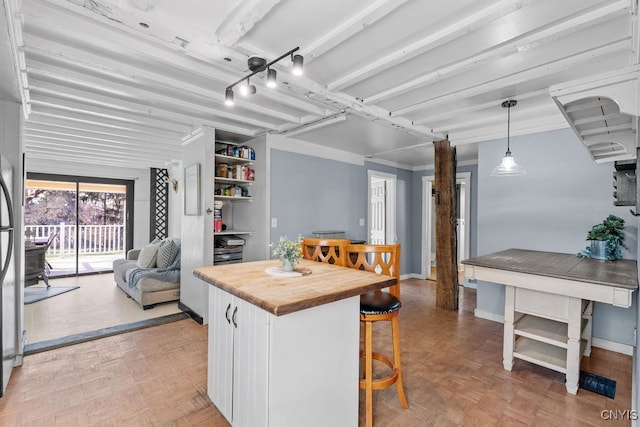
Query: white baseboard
{"type": "Point", "coordinates": [489, 316]}
{"type": "Point", "coordinates": [412, 276]}
{"type": "Point", "coordinates": [612, 346]}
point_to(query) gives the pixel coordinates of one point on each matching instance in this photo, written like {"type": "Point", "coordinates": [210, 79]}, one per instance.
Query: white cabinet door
{"type": "Point", "coordinates": [251, 365]}
{"type": "Point", "coordinates": [220, 354]}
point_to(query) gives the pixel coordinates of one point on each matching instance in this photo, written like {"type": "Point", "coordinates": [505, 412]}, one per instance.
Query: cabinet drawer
{"type": "Point", "coordinates": [542, 304]}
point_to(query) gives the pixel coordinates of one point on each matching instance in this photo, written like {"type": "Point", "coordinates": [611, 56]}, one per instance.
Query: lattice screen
{"type": "Point", "coordinates": [159, 209]}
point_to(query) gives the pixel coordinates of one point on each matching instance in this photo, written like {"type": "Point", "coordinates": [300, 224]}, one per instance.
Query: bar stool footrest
{"type": "Point", "coordinates": [383, 382]}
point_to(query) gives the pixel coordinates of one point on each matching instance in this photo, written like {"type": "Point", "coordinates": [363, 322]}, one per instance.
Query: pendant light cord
{"type": "Point", "coordinates": [508, 126]}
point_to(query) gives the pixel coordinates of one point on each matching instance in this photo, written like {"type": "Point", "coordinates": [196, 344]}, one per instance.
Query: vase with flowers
{"type": "Point", "coordinates": [289, 252]}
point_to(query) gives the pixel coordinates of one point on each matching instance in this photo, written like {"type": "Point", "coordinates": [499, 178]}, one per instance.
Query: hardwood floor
{"type": "Point", "coordinates": [452, 367]}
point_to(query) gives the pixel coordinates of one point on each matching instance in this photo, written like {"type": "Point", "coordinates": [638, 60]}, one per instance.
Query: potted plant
{"type": "Point", "coordinates": [606, 239]}
{"type": "Point", "coordinates": [289, 252]}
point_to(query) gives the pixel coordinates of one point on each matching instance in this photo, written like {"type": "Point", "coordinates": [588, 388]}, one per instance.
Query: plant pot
{"type": "Point", "coordinates": [598, 249]}
{"type": "Point", "coordinates": [287, 264]}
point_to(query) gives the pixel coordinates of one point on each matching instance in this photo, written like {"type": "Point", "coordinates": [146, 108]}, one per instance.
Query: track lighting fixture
{"type": "Point", "coordinates": [257, 65]}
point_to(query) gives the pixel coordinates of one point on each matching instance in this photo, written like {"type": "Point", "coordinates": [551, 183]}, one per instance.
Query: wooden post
{"type": "Point", "coordinates": [446, 239]}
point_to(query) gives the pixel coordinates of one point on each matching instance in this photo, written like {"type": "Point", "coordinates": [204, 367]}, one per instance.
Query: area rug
{"type": "Point", "coordinates": [597, 384]}
{"type": "Point", "coordinates": [35, 294]}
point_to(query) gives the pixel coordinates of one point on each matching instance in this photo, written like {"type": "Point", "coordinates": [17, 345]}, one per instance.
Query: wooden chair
{"type": "Point", "coordinates": [374, 307]}
{"type": "Point", "coordinates": [330, 251]}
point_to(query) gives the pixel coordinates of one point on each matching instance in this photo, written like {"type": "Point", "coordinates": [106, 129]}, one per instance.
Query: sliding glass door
{"type": "Point", "coordinates": [85, 222]}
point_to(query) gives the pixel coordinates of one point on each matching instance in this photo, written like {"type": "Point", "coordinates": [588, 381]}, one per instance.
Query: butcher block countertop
{"type": "Point", "coordinates": [326, 283]}
{"type": "Point", "coordinates": [621, 273]}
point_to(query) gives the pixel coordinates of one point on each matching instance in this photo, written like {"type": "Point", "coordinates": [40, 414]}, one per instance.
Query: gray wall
{"type": "Point", "coordinates": [311, 193]}
{"type": "Point", "coordinates": [418, 213]}
{"type": "Point", "coordinates": [551, 208]}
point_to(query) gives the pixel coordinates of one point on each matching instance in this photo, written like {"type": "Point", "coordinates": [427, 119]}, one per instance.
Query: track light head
{"type": "Point", "coordinates": [228, 97]}
{"type": "Point", "coordinates": [297, 65]}
{"type": "Point", "coordinates": [271, 77]}
{"type": "Point", "coordinates": [247, 89]}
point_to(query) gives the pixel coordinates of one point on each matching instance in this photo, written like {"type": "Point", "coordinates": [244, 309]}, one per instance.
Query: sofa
{"type": "Point", "coordinates": [150, 275]}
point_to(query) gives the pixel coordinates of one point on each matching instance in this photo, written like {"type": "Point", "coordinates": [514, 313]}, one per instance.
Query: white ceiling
{"type": "Point", "coordinates": [383, 78]}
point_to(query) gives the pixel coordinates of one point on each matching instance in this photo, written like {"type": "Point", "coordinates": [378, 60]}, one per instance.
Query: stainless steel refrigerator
{"type": "Point", "coordinates": [9, 294]}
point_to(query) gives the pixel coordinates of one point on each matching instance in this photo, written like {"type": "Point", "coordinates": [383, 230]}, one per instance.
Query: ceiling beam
{"type": "Point", "coordinates": [62, 145]}
{"type": "Point", "coordinates": [457, 29]}
{"type": "Point", "coordinates": [523, 42]}
{"type": "Point", "coordinates": [523, 76]}
{"type": "Point", "coordinates": [135, 163]}
{"type": "Point", "coordinates": [242, 19]}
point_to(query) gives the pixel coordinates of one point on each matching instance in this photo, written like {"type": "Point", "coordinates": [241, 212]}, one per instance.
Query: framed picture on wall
{"type": "Point", "coordinates": [192, 189]}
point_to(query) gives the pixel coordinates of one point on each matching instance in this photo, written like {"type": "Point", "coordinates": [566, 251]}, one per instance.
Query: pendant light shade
{"type": "Point", "coordinates": [228, 97]}
{"type": "Point", "coordinates": [508, 165]}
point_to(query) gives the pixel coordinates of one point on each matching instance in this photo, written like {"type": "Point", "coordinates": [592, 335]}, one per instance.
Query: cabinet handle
{"type": "Point", "coordinates": [233, 317]}
{"type": "Point", "coordinates": [226, 314]}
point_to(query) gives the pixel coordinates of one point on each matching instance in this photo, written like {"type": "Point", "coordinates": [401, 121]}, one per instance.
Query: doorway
{"type": "Point", "coordinates": [84, 221]}
{"type": "Point", "coordinates": [463, 209]}
{"type": "Point", "coordinates": [382, 208]}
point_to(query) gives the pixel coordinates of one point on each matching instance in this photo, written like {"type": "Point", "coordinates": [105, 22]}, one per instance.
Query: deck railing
{"type": "Point", "coordinates": [92, 239]}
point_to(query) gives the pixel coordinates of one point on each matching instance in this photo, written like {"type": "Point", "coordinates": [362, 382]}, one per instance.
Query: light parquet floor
{"type": "Point", "coordinates": [452, 366]}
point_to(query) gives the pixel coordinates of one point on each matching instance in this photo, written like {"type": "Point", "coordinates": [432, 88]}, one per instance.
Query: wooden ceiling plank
{"type": "Point", "coordinates": [523, 76]}
{"type": "Point", "coordinates": [126, 88]}
{"type": "Point", "coordinates": [373, 12]}
{"type": "Point", "coordinates": [185, 113]}
{"type": "Point", "coordinates": [596, 102]}
{"type": "Point", "coordinates": [159, 62]}
{"type": "Point", "coordinates": [125, 162]}
{"type": "Point", "coordinates": [527, 41]}
{"type": "Point", "coordinates": [499, 119]}
{"type": "Point", "coordinates": [87, 119]}
{"type": "Point", "coordinates": [111, 139]}
{"type": "Point", "coordinates": [44, 121]}
{"type": "Point", "coordinates": [606, 129]}
{"type": "Point", "coordinates": [457, 29]}
{"type": "Point", "coordinates": [87, 149]}
{"type": "Point", "coordinates": [592, 119]}
{"type": "Point", "coordinates": [451, 113]}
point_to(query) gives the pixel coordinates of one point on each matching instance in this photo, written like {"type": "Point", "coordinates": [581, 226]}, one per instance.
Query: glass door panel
{"type": "Point", "coordinates": [50, 219]}
{"type": "Point", "coordinates": [102, 227]}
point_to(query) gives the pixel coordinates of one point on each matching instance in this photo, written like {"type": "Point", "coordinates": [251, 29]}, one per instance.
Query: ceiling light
{"type": "Point", "coordinates": [257, 65]}
{"type": "Point", "coordinates": [271, 77]}
{"type": "Point", "coordinates": [228, 97]}
{"type": "Point", "coordinates": [508, 165]}
{"type": "Point", "coordinates": [297, 65]}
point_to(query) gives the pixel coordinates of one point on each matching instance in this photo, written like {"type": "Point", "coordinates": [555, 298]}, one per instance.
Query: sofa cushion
{"type": "Point", "coordinates": [166, 253]}
{"type": "Point", "coordinates": [148, 254]}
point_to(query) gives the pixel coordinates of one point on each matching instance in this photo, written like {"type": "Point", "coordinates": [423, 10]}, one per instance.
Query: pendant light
{"type": "Point", "coordinates": [508, 165]}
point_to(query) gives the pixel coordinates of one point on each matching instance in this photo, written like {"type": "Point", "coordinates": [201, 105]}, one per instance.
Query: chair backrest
{"type": "Point", "coordinates": [330, 251]}
{"type": "Point", "coordinates": [381, 259]}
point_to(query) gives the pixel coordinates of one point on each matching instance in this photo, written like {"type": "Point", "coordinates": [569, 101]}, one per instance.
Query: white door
{"type": "Point", "coordinates": [378, 208]}
{"type": "Point", "coordinates": [382, 208]}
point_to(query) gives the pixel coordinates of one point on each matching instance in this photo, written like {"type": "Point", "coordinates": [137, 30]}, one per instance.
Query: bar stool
{"type": "Point", "coordinates": [374, 307]}
{"type": "Point", "coordinates": [329, 251]}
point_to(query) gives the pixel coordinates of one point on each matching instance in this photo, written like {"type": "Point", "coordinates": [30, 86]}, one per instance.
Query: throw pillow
{"type": "Point", "coordinates": [148, 254]}
{"type": "Point", "coordinates": [166, 253]}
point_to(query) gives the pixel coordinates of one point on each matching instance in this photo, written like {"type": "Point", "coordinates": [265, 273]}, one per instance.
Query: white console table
{"type": "Point", "coordinates": [549, 303]}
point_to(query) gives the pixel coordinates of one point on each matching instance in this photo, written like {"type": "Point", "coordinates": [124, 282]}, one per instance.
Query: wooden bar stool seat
{"type": "Point", "coordinates": [375, 307]}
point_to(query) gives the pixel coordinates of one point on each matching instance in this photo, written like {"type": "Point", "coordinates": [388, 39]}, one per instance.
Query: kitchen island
{"type": "Point", "coordinates": [549, 303]}
{"type": "Point", "coordinates": [285, 351]}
